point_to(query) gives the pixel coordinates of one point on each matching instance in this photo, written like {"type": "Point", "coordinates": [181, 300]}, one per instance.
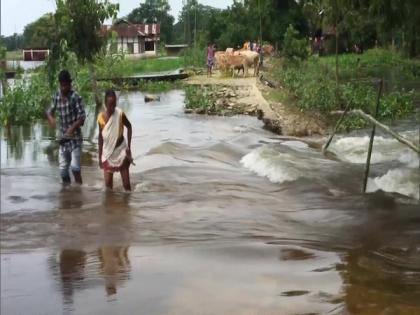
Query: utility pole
{"type": "Point", "coordinates": [195, 25]}
{"type": "Point", "coordinates": [259, 10]}
{"type": "Point", "coordinates": [188, 22]}
{"type": "Point", "coordinates": [185, 24]}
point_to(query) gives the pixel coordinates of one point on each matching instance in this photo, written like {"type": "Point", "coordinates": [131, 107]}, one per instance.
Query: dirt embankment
{"type": "Point", "coordinates": [229, 96]}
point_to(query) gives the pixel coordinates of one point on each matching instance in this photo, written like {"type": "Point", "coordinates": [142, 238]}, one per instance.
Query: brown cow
{"type": "Point", "coordinates": [220, 60]}
{"type": "Point", "coordinates": [237, 62]}
{"type": "Point", "coordinates": [268, 50]}
{"type": "Point", "coordinates": [252, 58]}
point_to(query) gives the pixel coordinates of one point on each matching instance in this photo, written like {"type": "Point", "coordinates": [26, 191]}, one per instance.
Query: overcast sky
{"type": "Point", "coordinates": [15, 14]}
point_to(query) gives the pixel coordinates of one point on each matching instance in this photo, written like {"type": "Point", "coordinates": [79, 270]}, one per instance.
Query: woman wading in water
{"type": "Point", "coordinates": [114, 150]}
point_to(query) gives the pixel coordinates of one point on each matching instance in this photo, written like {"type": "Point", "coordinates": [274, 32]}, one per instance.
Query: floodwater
{"type": "Point", "coordinates": [224, 218]}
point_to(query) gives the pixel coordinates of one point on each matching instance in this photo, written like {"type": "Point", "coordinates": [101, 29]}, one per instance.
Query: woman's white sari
{"type": "Point", "coordinates": [115, 156]}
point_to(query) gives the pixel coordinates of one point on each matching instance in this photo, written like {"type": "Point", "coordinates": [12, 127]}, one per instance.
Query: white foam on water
{"type": "Point", "coordinates": [274, 165]}
{"type": "Point", "coordinates": [354, 150]}
{"type": "Point", "coordinates": [401, 180]}
{"type": "Point", "coordinates": [240, 129]}
{"type": "Point", "coordinates": [296, 144]}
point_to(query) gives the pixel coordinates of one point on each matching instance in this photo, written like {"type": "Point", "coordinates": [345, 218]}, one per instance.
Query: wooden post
{"type": "Point", "coordinates": [372, 136]}
{"type": "Point", "coordinates": [339, 122]}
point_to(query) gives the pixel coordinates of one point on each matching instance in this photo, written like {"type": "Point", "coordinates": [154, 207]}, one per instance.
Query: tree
{"type": "Point", "coordinates": [12, 42]}
{"type": "Point", "coordinates": [154, 11]}
{"type": "Point", "coordinates": [37, 34]}
{"type": "Point", "coordinates": [294, 47]}
{"type": "Point", "coordinates": [194, 22]}
{"type": "Point", "coordinates": [79, 23]}
{"type": "Point", "coordinates": [398, 19]}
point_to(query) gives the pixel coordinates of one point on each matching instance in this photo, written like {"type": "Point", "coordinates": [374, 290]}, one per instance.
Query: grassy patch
{"type": "Point", "coordinates": [14, 55]}
{"type": "Point", "coordinates": [197, 98]}
{"type": "Point", "coordinates": [216, 100]}
{"type": "Point", "coordinates": [132, 67]}
{"type": "Point", "coordinates": [118, 66]}
{"type": "Point", "coordinates": [159, 86]}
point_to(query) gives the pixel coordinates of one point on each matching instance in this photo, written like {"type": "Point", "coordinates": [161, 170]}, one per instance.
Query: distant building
{"type": "Point", "coordinates": [174, 50]}
{"type": "Point", "coordinates": [134, 40]}
{"type": "Point", "coordinates": [35, 54]}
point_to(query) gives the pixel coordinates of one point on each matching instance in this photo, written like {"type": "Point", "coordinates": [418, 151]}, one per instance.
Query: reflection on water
{"type": "Point", "coordinates": [225, 218]}
{"type": "Point", "coordinates": [115, 266]}
{"type": "Point", "coordinates": [72, 267]}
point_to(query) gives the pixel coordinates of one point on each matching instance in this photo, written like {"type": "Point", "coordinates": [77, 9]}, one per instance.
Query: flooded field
{"type": "Point", "coordinates": [224, 218]}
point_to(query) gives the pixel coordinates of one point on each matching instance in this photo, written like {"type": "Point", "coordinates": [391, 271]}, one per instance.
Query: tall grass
{"type": "Point", "coordinates": [117, 66]}
{"type": "Point", "coordinates": [310, 84]}
{"type": "Point", "coordinates": [195, 57]}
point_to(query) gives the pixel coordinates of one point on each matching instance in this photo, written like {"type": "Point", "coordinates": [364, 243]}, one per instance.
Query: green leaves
{"type": "Point", "coordinates": [25, 102]}
{"type": "Point", "coordinates": [294, 48]}
{"type": "Point", "coordinates": [311, 85]}
{"type": "Point", "coordinates": [79, 23]}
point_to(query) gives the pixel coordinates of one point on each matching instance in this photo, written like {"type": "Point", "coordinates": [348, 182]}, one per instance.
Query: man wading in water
{"type": "Point", "coordinates": [69, 107]}
{"type": "Point", "coordinates": [114, 151]}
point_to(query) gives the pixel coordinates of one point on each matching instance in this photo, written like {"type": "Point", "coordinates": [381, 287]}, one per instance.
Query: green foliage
{"type": "Point", "coordinates": [12, 42]}
{"type": "Point", "coordinates": [2, 52]}
{"type": "Point", "coordinates": [197, 98]}
{"type": "Point", "coordinates": [38, 34]}
{"type": "Point", "coordinates": [25, 102]}
{"type": "Point", "coordinates": [194, 57]}
{"type": "Point", "coordinates": [159, 86]}
{"type": "Point", "coordinates": [311, 84]}
{"type": "Point", "coordinates": [376, 63]}
{"type": "Point", "coordinates": [368, 23]}
{"type": "Point", "coordinates": [238, 23]}
{"type": "Point", "coordinates": [79, 22]}
{"type": "Point", "coordinates": [115, 66]}
{"type": "Point", "coordinates": [14, 55]}
{"type": "Point", "coordinates": [294, 48]}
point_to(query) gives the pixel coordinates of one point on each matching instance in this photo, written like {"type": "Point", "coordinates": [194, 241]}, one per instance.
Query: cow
{"type": "Point", "coordinates": [237, 62]}
{"type": "Point", "coordinates": [220, 60]}
{"type": "Point", "coordinates": [268, 50]}
{"type": "Point", "coordinates": [229, 50]}
{"type": "Point", "coordinates": [252, 58]}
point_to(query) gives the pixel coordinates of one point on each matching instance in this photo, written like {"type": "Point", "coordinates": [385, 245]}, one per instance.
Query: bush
{"type": "Point", "coordinates": [25, 102]}
{"type": "Point", "coordinates": [294, 48]}
{"type": "Point", "coordinates": [311, 84]}
{"type": "Point", "coordinates": [194, 57]}
{"type": "Point", "coordinates": [197, 98]}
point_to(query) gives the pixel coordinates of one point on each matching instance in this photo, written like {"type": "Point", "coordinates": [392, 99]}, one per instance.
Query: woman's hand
{"type": "Point", "coordinates": [128, 153]}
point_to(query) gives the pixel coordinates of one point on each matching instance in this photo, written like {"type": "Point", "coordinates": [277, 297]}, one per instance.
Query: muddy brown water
{"type": "Point", "coordinates": [202, 233]}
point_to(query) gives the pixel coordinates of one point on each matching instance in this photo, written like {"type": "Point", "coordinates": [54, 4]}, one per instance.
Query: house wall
{"type": "Point", "coordinates": [138, 47]}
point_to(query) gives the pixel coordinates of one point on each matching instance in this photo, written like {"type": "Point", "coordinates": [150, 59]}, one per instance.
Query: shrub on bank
{"type": "Point", "coordinates": [311, 84]}
{"type": "Point", "coordinates": [294, 47]}
{"type": "Point", "coordinates": [25, 102]}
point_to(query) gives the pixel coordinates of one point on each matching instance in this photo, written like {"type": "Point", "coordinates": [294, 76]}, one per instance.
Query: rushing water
{"type": "Point", "coordinates": [225, 218]}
